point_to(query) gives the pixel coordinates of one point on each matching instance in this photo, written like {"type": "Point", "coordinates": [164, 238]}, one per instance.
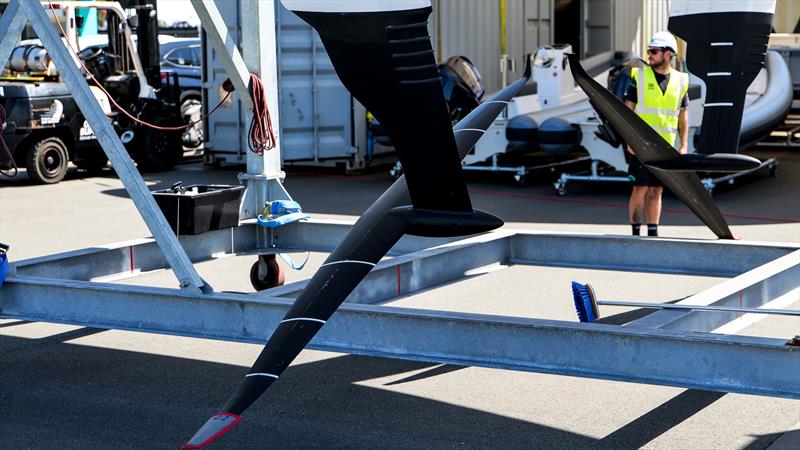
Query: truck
{"type": "Point", "coordinates": [44, 128]}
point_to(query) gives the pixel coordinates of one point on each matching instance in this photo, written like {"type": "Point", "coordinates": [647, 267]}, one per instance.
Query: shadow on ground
{"type": "Point", "coordinates": [84, 397]}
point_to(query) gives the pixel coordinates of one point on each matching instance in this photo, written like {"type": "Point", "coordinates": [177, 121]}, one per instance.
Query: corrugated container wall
{"type": "Point", "coordinates": [636, 20]}
{"type": "Point", "coordinates": [473, 28]}
{"type": "Point", "coordinates": [223, 135]}
{"type": "Point", "coordinates": [319, 122]}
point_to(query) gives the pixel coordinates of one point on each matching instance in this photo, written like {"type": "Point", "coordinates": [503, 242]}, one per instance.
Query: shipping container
{"type": "Point", "coordinates": [320, 124]}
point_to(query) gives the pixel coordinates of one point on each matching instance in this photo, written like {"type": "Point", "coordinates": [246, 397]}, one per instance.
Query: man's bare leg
{"type": "Point", "coordinates": [653, 207]}
{"type": "Point", "coordinates": [636, 208]}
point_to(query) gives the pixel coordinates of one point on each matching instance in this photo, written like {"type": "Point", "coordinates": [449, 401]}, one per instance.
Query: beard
{"type": "Point", "coordinates": [661, 64]}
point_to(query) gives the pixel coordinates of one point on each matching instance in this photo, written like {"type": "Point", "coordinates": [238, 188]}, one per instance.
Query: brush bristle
{"type": "Point", "coordinates": [583, 302]}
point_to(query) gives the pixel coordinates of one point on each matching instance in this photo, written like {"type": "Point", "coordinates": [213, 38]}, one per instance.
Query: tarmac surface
{"type": "Point", "coordinates": [64, 386]}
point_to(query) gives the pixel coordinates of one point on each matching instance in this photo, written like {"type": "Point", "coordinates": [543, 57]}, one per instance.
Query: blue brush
{"type": "Point", "coordinates": [585, 302]}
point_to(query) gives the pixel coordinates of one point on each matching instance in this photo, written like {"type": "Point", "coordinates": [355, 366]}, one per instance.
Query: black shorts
{"type": "Point", "coordinates": [640, 175]}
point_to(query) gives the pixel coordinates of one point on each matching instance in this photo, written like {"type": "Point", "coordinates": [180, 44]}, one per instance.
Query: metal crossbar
{"type": "Point", "coordinates": [668, 347]}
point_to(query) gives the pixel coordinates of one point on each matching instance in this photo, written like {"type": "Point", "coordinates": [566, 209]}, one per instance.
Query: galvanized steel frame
{"type": "Point", "coordinates": [15, 16]}
{"type": "Point", "coordinates": [667, 347]}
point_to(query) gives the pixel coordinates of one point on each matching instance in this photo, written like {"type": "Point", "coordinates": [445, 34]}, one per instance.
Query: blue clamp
{"type": "Point", "coordinates": [3, 263]}
{"type": "Point", "coordinates": [282, 212]}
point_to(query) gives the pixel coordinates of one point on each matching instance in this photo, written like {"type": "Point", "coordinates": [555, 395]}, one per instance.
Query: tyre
{"type": "Point", "coordinates": [47, 160]}
{"type": "Point", "coordinates": [157, 150]}
{"type": "Point", "coordinates": [269, 275]}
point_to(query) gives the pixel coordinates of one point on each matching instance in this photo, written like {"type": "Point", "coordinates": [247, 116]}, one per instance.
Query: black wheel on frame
{"type": "Point", "coordinates": [47, 160]}
{"type": "Point", "coordinates": [266, 273]}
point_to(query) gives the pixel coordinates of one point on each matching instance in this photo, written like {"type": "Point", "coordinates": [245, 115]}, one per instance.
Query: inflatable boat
{"type": "Point", "coordinates": [558, 120]}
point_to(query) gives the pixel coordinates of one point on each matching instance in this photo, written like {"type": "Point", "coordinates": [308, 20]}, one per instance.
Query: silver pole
{"type": "Point", "coordinates": [784, 312]}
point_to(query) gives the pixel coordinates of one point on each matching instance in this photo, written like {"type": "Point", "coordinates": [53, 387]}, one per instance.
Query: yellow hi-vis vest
{"type": "Point", "coordinates": [660, 110]}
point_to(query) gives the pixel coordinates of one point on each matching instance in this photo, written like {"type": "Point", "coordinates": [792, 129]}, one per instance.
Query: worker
{"type": "Point", "coordinates": [658, 94]}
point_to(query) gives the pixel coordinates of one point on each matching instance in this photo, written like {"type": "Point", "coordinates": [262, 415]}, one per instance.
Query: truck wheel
{"type": "Point", "coordinates": [156, 150]}
{"type": "Point", "coordinates": [47, 160]}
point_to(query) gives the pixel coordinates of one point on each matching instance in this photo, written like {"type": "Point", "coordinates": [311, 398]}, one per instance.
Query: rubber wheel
{"type": "Point", "coordinates": [47, 160]}
{"type": "Point", "coordinates": [273, 276]}
{"type": "Point", "coordinates": [157, 150]}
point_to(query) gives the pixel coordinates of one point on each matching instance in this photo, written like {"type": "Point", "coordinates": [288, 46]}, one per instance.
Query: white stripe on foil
{"type": "Point", "coordinates": [349, 261]}
{"type": "Point", "coordinates": [309, 319]}
{"type": "Point", "coordinates": [261, 374]}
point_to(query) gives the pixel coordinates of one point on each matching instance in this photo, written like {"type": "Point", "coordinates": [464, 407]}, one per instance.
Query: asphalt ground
{"type": "Point", "coordinates": [65, 386]}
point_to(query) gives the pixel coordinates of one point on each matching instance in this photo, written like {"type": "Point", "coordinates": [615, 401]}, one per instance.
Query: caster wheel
{"type": "Point", "coordinates": [519, 180]}
{"type": "Point", "coordinates": [561, 191]}
{"type": "Point", "coordinates": [266, 273]}
{"type": "Point", "coordinates": [773, 171]}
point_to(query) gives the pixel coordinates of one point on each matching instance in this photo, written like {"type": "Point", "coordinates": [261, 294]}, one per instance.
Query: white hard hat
{"type": "Point", "coordinates": [664, 39]}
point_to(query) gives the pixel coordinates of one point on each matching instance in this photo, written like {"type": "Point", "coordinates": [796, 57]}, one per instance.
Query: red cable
{"type": "Point", "coordinates": [111, 98]}
{"type": "Point", "coordinates": [3, 117]}
{"type": "Point", "coordinates": [260, 137]}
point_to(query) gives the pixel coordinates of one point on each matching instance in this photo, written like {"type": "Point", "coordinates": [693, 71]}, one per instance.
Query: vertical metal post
{"type": "Point", "coordinates": [11, 25]}
{"type": "Point", "coordinates": [108, 139]}
{"type": "Point", "coordinates": [258, 37]}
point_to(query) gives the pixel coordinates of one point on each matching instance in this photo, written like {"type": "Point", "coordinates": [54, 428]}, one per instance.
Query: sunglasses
{"type": "Point", "coordinates": [654, 51]}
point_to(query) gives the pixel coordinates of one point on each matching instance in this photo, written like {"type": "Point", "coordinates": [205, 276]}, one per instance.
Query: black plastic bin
{"type": "Point", "coordinates": [199, 208]}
